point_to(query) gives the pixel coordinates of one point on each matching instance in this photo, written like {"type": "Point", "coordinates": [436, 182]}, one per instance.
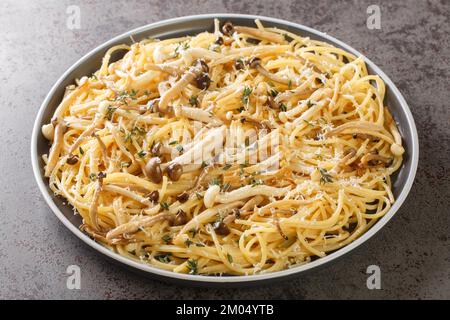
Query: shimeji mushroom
{"type": "Point", "coordinates": [255, 63]}
{"type": "Point", "coordinates": [134, 225]}
{"type": "Point", "coordinates": [260, 34]}
{"type": "Point", "coordinates": [213, 195]}
{"type": "Point", "coordinates": [374, 158]}
{"type": "Point", "coordinates": [55, 150]}
{"type": "Point", "coordinates": [198, 73]}
{"type": "Point", "coordinates": [93, 208]}
{"type": "Point", "coordinates": [343, 162]}
{"type": "Point", "coordinates": [153, 170]}
{"type": "Point", "coordinates": [196, 114]}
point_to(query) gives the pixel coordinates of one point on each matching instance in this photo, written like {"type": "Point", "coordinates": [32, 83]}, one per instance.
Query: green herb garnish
{"type": "Point", "coordinates": [165, 205]}
{"type": "Point", "coordinates": [192, 266]}
{"type": "Point", "coordinates": [164, 258]}
{"type": "Point", "coordinates": [325, 177]}
{"type": "Point", "coordinates": [273, 92]}
{"type": "Point", "coordinates": [193, 101]}
{"type": "Point", "coordinates": [167, 238]}
{"type": "Point", "coordinates": [142, 154]}
{"type": "Point", "coordinates": [109, 112]}
{"type": "Point", "coordinates": [245, 94]}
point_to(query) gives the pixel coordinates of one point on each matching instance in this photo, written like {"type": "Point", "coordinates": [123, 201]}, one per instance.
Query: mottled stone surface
{"type": "Point", "coordinates": [412, 48]}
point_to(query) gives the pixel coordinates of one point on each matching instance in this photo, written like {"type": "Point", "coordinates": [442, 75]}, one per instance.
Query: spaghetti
{"type": "Point", "coordinates": [241, 151]}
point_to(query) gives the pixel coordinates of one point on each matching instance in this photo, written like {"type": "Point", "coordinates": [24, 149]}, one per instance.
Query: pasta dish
{"type": "Point", "coordinates": [239, 151]}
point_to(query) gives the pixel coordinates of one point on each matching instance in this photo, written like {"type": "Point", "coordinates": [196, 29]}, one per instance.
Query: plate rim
{"type": "Point", "coordinates": [240, 278]}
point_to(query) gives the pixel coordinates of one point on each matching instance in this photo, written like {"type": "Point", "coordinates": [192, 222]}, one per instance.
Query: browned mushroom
{"type": "Point", "coordinates": [239, 64]}
{"type": "Point", "coordinates": [202, 80]}
{"type": "Point", "coordinates": [174, 171]}
{"type": "Point", "coordinates": [228, 28]}
{"type": "Point", "coordinates": [153, 170]}
{"type": "Point", "coordinates": [181, 218]}
{"type": "Point", "coordinates": [255, 63]}
{"type": "Point", "coordinates": [221, 228]}
{"type": "Point", "coordinates": [153, 196]}
{"type": "Point", "coordinates": [72, 160]}
{"type": "Point", "coordinates": [183, 197]}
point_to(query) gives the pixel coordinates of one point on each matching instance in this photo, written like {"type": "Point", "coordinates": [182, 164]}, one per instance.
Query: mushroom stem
{"type": "Point", "coordinates": [196, 114]}
{"type": "Point", "coordinates": [364, 125]}
{"type": "Point", "coordinates": [260, 124]}
{"type": "Point", "coordinates": [89, 130]}
{"type": "Point", "coordinates": [127, 193]}
{"type": "Point", "coordinates": [175, 90]}
{"type": "Point", "coordinates": [246, 192]}
{"type": "Point", "coordinates": [164, 68]}
{"type": "Point", "coordinates": [93, 208]}
{"type": "Point", "coordinates": [351, 153]}
{"type": "Point", "coordinates": [260, 34]}
{"type": "Point", "coordinates": [134, 225]}
{"type": "Point", "coordinates": [204, 217]}
{"type": "Point", "coordinates": [103, 148]}
{"type": "Point", "coordinates": [55, 150]}
{"type": "Point", "coordinates": [366, 159]}
{"type": "Point", "coordinates": [256, 64]}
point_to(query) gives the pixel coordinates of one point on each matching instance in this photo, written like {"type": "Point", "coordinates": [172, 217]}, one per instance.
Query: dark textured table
{"type": "Point", "coordinates": [412, 47]}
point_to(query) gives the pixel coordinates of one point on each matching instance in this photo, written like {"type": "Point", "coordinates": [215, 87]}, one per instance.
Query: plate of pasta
{"type": "Point", "coordinates": [224, 149]}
